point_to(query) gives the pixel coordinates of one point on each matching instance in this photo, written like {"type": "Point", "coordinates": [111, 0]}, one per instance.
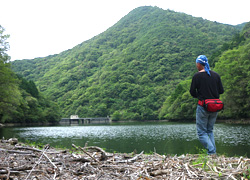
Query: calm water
{"type": "Point", "coordinates": [164, 138]}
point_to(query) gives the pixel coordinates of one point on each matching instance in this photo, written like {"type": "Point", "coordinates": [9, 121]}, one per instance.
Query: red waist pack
{"type": "Point", "coordinates": [212, 105]}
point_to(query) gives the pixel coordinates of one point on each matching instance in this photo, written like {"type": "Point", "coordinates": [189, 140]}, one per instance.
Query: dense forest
{"type": "Point", "coordinates": [140, 68]}
{"type": "Point", "coordinates": [20, 100]}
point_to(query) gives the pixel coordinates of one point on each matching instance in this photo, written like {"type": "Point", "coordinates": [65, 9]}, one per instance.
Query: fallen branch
{"type": "Point", "coordinates": [18, 152]}
{"type": "Point", "coordinates": [85, 153]}
{"type": "Point", "coordinates": [22, 168]}
{"type": "Point", "coordinates": [28, 148]}
{"type": "Point", "coordinates": [159, 172]}
{"type": "Point", "coordinates": [83, 160]}
{"type": "Point", "coordinates": [98, 149]}
{"type": "Point", "coordinates": [38, 162]}
{"type": "Point", "coordinates": [131, 159]}
{"type": "Point", "coordinates": [8, 172]}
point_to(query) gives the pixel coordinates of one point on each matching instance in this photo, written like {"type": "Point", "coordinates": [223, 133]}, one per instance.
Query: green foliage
{"type": "Point", "coordinates": [4, 45]}
{"type": "Point", "coordinates": [129, 70]}
{"type": "Point", "coordinates": [180, 104]}
{"type": "Point", "coordinates": [20, 100]}
{"type": "Point", "coordinates": [29, 87]}
{"type": "Point", "coordinates": [246, 174]}
{"type": "Point", "coordinates": [9, 93]}
{"type": "Point", "coordinates": [234, 68]}
{"type": "Point", "coordinates": [116, 116]}
{"type": "Point", "coordinates": [35, 108]}
{"type": "Point", "coordinates": [236, 41]}
{"type": "Point", "coordinates": [202, 159]}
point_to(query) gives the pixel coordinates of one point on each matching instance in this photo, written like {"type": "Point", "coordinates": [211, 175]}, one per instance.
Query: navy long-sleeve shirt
{"type": "Point", "coordinates": [204, 86]}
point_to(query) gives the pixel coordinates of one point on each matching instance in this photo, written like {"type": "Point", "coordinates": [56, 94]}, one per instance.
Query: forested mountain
{"type": "Point", "coordinates": [129, 70]}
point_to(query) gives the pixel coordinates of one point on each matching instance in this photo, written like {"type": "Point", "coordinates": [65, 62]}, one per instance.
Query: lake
{"type": "Point", "coordinates": [160, 137]}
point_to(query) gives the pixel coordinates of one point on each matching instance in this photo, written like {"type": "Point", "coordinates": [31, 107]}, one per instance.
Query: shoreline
{"type": "Point", "coordinates": [226, 121]}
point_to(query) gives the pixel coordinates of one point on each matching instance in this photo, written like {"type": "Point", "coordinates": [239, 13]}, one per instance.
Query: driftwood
{"type": "Point", "coordinates": [15, 151]}
{"type": "Point", "coordinates": [38, 162]}
{"type": "Point", "coordinates": [85, 153]}
{"type": "Point", "coordinates": [131, 159]}
{"type": "Point", "coordinates": [18, 161]}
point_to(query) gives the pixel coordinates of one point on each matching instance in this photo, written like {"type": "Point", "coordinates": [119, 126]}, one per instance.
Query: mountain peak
{"type": "Point", "coordinates": [130, 68]}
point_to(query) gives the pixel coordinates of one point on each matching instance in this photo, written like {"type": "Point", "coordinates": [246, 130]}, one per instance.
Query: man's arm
{"type": "Point", "coordinates": [220, 87]}
{"type": "Point", "coordinates": [192, 90]}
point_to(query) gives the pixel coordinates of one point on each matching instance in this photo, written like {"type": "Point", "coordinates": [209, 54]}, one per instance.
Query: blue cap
{"type": "Point", "coordinates": [202, 59]}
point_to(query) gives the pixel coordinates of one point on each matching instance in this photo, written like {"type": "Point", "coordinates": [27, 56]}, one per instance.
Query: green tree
{"type": "Point", "coordinates": [234, 68]}
{"type": "Point", "coordinates": [180, 104]}
{"type": "Point", "coordinates": [4, 45]}
{"type": "Point", "coordinates": [10, 95]}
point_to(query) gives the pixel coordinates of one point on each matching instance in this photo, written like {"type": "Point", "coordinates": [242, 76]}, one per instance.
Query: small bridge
{"type": "Point", "coordinates": [74, 119]}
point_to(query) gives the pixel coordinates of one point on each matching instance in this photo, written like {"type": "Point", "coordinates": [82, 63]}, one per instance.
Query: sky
{"type": "Point", "coordinates": [39, 28]}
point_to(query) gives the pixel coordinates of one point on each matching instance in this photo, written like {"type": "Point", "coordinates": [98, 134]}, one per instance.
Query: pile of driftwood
{"type": "Point", "coordinates": [19, 161]}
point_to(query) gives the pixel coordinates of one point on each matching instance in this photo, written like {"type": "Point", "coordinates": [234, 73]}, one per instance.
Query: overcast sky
{"type": "Point", "coordinates": [39, 28]}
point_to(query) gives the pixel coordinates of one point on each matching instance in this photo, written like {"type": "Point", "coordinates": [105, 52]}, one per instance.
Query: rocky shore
{"type": "Point", "coordinates": [20, 161]}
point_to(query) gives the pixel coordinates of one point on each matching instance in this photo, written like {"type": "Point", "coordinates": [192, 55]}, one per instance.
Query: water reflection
{"type": "Point", "coordinates": [113, 132]}
{"type": "Point", "coordinates": [234, 135]}
{"type": "Point", "coordinates": [164, 138]}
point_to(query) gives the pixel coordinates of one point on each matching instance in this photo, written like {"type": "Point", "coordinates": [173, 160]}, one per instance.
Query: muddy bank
{"type": "Point", "coordinates": [20, 161]}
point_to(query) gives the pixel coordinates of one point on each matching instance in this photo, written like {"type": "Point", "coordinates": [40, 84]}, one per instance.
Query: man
{"type": "Point", "coordinates": [206, 84]}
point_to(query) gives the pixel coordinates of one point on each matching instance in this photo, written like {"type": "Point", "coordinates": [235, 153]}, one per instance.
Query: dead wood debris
{"type": "Point", "coordinates": [19, 161]}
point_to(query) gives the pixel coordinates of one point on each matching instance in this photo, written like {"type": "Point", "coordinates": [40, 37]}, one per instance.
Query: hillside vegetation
{"type": "Point", "coordinates": [134, 70]}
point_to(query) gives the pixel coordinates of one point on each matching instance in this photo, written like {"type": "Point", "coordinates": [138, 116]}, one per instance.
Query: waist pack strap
{"type": "Point", "coordinates": [201, 102]}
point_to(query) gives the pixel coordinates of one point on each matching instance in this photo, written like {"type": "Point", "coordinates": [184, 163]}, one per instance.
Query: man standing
{"type": "Point", "coordinates": [206, 84]}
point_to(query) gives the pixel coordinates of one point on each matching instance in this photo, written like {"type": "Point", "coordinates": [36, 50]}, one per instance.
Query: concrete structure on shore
{"type": "Point", "coordinates": [74, 119]}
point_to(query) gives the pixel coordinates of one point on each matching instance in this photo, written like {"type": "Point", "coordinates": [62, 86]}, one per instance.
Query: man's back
{"type": "Point", "coordinates": [204, 86]}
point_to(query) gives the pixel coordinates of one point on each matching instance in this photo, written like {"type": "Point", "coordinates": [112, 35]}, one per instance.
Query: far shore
{"type": "Point", "coordinates": [226, 121]}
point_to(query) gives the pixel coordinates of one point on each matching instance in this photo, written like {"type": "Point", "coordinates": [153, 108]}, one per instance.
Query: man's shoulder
{"type": "Point", "coordinates": [213, 72]}
{"type": "Point", "coordinates": [204, 74]}
{"type": "Point", "coordinates": [198, 74]}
